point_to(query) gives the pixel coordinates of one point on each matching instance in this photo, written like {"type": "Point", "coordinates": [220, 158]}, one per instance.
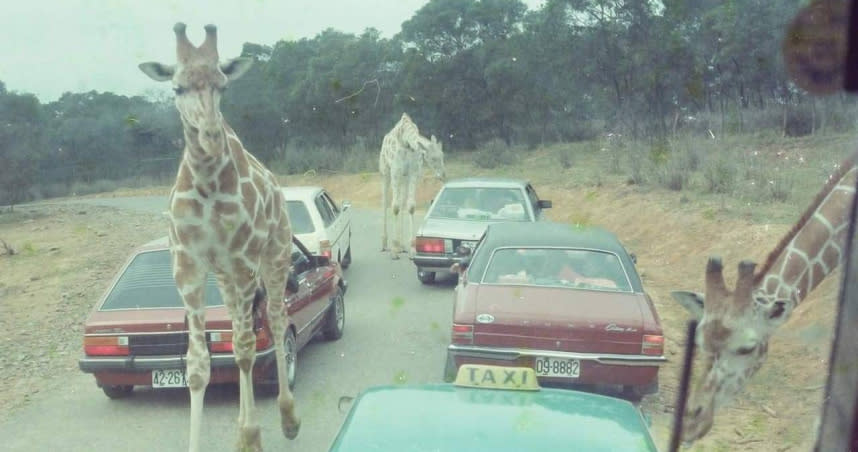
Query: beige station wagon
{"type": "Point", "coordinates": [460, 213]}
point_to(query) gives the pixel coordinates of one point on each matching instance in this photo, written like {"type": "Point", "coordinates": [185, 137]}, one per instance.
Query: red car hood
{"type": "Point", "coordinates": [151, 320]}
{"type": "Point", "coordinates": [543, 317]}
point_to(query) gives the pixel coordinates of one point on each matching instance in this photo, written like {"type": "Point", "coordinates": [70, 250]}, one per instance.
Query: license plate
{"type": "Point", "coordinates": [555, 367]}
{"type": "Point", "coordinates": [169, 378]}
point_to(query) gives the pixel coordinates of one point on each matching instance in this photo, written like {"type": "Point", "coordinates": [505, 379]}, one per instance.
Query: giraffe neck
{"type": "Point", "coordinates": [204, 163]}
{"type": "Point", "coordinates": [816, 246]}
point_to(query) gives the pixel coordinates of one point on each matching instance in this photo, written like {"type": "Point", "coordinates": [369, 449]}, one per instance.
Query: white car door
{"type": "Point", "coordinates": [338, 230]}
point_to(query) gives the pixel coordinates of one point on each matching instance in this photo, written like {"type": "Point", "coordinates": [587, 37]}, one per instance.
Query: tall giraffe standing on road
{"type": "Point", "coordinates": [228, 217]}
{"type": "Point", "coordinates": [400, 163]}
{"type": "Point", "coordinates": [735, 326]}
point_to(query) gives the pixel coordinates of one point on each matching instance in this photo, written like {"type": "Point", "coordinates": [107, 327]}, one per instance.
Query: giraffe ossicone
{"type": "Point", "coordinates": [228, 217]}
{"type": "Point", "coordinates": [735, 325]}
{"type": "Point", "coordinates": [400, 163]}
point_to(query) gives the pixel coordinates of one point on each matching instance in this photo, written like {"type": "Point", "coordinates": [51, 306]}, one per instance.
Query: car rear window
{"type": "Point", "coordinates": [148, 283]}
{"type": "Point", "coordinates": [576, 268]}
{"type": "Point", "coordinates": [299, 217]}
{"type": "Point", "coordinates": [475, 203]}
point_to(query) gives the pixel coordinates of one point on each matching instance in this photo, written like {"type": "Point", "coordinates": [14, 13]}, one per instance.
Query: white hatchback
{"type": "Point", "coordinates": [322, 225]}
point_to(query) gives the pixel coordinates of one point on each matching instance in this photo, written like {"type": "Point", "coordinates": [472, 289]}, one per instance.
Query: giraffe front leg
{"type": "Point", "coordinates": [238, 289]}
{"type": "Point", "coordinates": [396, 248]}
{"type": "Point", "coordinates": [190, 280]}
{"type": "Point", "coordinates": [412, 204]}
{"type": "Point", "coordinates": [275, 275]}
{"type": "Point", "coordinates": [385, 188]}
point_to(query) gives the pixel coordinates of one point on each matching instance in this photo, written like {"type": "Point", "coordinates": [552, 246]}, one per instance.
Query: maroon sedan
{"type": "Point", "coordinates": [564, 300]}
{"type": "Point", "coordinates": [137, 333]}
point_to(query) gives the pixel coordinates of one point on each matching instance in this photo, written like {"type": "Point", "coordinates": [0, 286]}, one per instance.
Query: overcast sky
{"type": "Point", "coordinates": [53, 46]}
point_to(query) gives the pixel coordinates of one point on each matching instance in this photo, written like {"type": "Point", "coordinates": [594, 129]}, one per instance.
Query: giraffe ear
{"type": "Point", "coordinates": [236, 67]}
{"type": "Point", "coordinates": [157, 71]}
{"type": "Point", "coordinates": [692, 301]}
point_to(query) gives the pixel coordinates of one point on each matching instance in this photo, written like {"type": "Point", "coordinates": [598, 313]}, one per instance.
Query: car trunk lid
{"type": "Point", "coordinates": [558, 319]}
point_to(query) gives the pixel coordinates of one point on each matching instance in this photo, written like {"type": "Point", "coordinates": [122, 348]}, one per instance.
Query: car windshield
{"type": "Point", "coordinates": [582, 269]}
{"type": "Point", "coordinates": [299, 217]}
{"type": "Point", "coordinates": [476, 203]}
{"type": "Point", "coordinates": [148, 282]}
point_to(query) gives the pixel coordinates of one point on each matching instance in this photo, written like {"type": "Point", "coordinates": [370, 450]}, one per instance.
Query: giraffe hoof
{"type": "Point", "coordinates": [251, 439]}
{"type": "Point", "coordinates": [290, 431]}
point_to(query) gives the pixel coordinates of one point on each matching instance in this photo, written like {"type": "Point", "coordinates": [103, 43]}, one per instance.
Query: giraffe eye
{"type": "Point", "coordinates": [746, 350]}
{"type": "Point", "coordinates": [179, 90]}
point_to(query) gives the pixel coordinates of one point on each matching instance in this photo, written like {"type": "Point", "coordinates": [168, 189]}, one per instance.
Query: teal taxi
{"type": "Point", "coordinates": [490, 408]}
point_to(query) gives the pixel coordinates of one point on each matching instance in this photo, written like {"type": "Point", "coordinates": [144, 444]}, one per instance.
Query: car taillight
{"type": "Point", "coordinates": [463, 334]}
{"type": "Point", "coordinates": [424, 245]}
{"type": "Point", "coordinates": [221, 341]}
{"type": "Point", "coordinates": [263, 339]}
{"type": "Point", "coordinates": [105, 345]}
{"type": "Point", "coordinates": [652, 345]}
{"type": "Point", "coordinates": [325, 248]}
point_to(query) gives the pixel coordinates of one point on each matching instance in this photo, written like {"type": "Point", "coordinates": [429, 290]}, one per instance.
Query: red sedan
{"type": "Point", "coordinates": [564, 300]}
{"type": "Point", "coordinates": [137, 334]}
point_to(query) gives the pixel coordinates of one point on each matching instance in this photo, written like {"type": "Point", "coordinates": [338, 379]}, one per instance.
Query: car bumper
{"type": "Point", "coordinates": [596, 368]}
{"type": "Point", "coordinates": [137, 370]}
{"type": "Point", "coordinates": [434, 263]}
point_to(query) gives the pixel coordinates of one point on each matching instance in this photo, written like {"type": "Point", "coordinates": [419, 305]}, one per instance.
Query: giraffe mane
{"type": "Point", "coordinates": [845, 166]}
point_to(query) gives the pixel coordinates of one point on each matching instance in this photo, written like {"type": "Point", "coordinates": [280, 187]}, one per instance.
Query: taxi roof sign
{"type": "Point", "coordinates": [496, 377]}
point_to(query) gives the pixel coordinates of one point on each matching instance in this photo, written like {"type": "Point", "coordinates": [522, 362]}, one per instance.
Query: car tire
{"type": "Point", "coordinates": [117, 391]}
{"type": "Point", "coordinates": [347, 259]}
{"type": "Point", "coordinates": [450, 371]}
{"type": "Point", "coordinates": [426, 277]}
{"type": "Point", "coordinates": [637, 392]}
{"type": "Point", "coordinates": [335, 319]}
{"type": "Point", "coordinates": [270, 386]}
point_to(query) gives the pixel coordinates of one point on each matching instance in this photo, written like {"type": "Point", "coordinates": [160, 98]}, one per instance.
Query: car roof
{"type": "Point", "coordinates": [500, 182]}
{"type": "Point", "coordinates": [447, 417]}
{"type": "Point", "coordinates": [301, 192]}
{"type": "Point", "coordinates": [551, 234]}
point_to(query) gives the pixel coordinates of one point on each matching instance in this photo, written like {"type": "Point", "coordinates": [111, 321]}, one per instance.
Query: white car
{"type": "Point", "coordinates": [322, 225]}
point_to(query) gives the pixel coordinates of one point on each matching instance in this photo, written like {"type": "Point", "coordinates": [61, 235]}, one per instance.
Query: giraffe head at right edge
{"type": "Point", "coordinates": [734, 327]}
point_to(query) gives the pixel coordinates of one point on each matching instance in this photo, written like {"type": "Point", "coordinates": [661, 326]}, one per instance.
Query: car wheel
{"type": "Point", "coordinates": [637, 392]}
{"type": "Point", "coordinates": [347, 259]}
{"type": "Point", "coordinates": [450, 371]}
{"type": "Point", "coordinates": [291, 345]}
{"type": "Point", "coordinates": [335, 319]}
{"type": "Point", "coordinates": [426, 277]}
{"type": "Point", "coordinates": [270, 386]}
{"type": "Point", "coordinates": [117, 391]}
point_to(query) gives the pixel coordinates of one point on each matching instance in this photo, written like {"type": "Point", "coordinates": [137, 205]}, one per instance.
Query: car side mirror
{"type": "Point", "coordinates": [544, 204]}
{"type": "Point", "coordinates": [347, 205]}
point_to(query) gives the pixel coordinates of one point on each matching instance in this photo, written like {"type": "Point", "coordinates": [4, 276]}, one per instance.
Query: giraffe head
{"type": "Point", "coordinates": [433, 155]}
{"type": "Point", "coordinates": [732, 338]}
{"type": "Point", "coordinates": [199, 81]}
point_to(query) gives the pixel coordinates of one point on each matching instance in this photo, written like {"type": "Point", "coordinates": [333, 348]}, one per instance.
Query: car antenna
{"type": "Point", "coordinates": [682, 393]}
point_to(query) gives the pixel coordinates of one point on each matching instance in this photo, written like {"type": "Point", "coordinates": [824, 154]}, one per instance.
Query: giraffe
{"type": "Point", "coordinates": [400, 163]}
{"type": "Point", "coordinates": [735, 326]}
{"type": "Point", "coordinates": [227, 216]}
